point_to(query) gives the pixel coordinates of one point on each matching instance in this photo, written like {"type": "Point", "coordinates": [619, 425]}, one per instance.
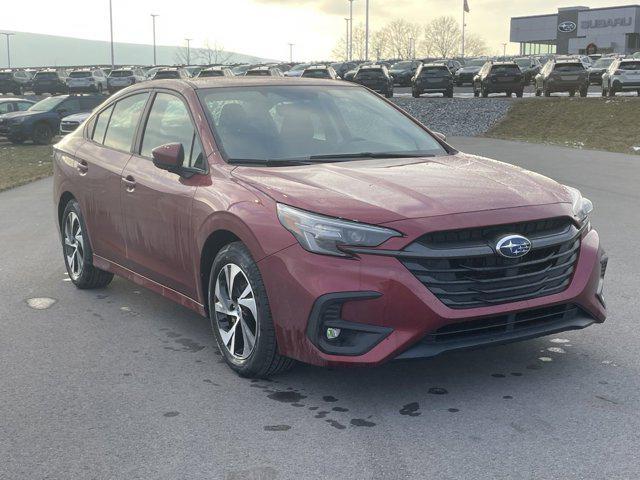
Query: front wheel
{"type": "Point", "coordinates": [240, 315]}
{"type": "Point", "coordinates": [42, 134]}
{"type": "Point", "coordinates": [78, 256]}
{"type": "Point", "coordinates": [584, 92]}
{"type": "Point", "coordinates": [519, 93]}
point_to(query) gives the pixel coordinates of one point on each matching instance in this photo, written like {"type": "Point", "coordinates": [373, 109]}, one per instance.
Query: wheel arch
{"type": "Point", "coordinates": [63, 201]}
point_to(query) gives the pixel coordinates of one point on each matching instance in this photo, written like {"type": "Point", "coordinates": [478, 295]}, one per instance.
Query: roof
{"type": "Point", "coordinates": [221, 82]}
{"type": "Point", "coordinates": [9, 99]}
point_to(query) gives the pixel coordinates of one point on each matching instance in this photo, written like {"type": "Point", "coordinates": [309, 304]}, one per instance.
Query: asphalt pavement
{"type": "Point", "coordinates": [123, 384]}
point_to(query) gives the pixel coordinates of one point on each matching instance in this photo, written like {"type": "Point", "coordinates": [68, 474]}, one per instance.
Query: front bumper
{"type": "Point", "coordinates": [625, 85]}
{"type": "Point", "coordinates": [386, 313]}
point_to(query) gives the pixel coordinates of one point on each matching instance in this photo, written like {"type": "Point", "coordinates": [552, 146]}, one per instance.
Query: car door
{"type": "Point", "coordinates": [157, 203]}
{"type": "Point", "coordinates": [100, 163]}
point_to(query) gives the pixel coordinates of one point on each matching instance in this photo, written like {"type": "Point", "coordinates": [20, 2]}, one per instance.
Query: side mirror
{"type": "Point", "coordinates": [168, 157]}
{"type": "Point", "coordinates": [441, 136]}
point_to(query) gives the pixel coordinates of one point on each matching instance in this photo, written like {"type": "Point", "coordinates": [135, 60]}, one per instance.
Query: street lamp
{"type": "Point", "coordinates": [153, 17]}
{"type": "Point", "coordinates": [291, 52]}
{"type": "Point", "coordinates": [366, 34]}
{"type": "Point", "coordinates": [350, 34]}
{"type": "Point", "coordinates": [188, 40]}
{"type": "Point", "coordinates": [111, 29]}
{"type": "Point", "coordinates": [7, 35]}
{"type": "Point", "coordinates": [348, 53]}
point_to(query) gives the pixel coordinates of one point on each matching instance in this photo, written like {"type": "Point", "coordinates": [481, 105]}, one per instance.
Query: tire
{"type": "Point", "coordinates": [538, 92]}
{"type": "Point", "coordinates": [77, 252]}
{"type": "Point", "coordinates": [262, 360]}
{"type": "Point", "coordinates": [415, 94]}
{"type": "Point", "coordinates": [547, 92]}
{"type": "Point", "coordinates": [508, 94]}
{"type": "Point", "coordinates": [612, 92]}
{"type": "Point", "coordinates": [449, 93]}
{"type": "Point", "coordinates": [389, 94]}
{"type": "Point", "coordinates": [19, 91]}
{"type": "Point", "coordinates": [99, 88]}
{"type": "Point", "coordinates": [42, 134]}
{"type": "Point", "coordinates": [584, 92]}
{"type": "Point", "coordinates": [639, 93]}
{"type": "Point", "coordinates": [485, 92]}
{"type": "Point", "coordinates": [16, 141]}
{"type": "Point", "coordinates": [520, 93]}
{"type": "Point", "coordinates": [476, 93]}
{"type": "Point", "coordinates": [572, 93]}
{"type": "Point", "coordinates": [604, 91]}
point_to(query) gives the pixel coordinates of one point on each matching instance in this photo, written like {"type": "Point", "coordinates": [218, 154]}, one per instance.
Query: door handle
{"type": "Point", "coordinates": [129, 182]}
{"type": "Point", "coordinates": [83, 167]}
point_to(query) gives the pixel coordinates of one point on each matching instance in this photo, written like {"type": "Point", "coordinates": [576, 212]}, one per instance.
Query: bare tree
{"type": "Point", "coordinates": [442, 38]}
{"type": "Point", "coordinates": [475, 46]}
{"type": "Point", "coordinates": [400, 36]}
{"type": "Point", "coordinates": [380, 44]}
{"type": "Point", "coordinates": [213, 54]}
{"type": "Point", "coordinates": [181, 56]}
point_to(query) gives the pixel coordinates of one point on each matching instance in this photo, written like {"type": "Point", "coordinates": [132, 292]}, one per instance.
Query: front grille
{"type": "Point", "coordinates": [462, 269]}
{"type": "Point", "coordinates": [502, 325]}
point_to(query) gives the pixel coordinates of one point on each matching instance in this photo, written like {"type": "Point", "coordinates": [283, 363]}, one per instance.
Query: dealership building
{"type": "Point", "coordinates": [575, 30]}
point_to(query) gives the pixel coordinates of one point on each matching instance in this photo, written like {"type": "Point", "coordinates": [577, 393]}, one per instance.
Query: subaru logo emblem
{"type": "Point", "coordinates": [513, 246]}
{"type": "Point", "coordinates": [567, 27]}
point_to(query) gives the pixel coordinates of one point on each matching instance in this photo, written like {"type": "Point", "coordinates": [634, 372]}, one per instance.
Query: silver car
{"type": "Point", "coordinates": [71, 122]}
{"type": "Point", "coordinates": [623, 75]}
{"type": "Point", "coordinates": [87, 80]}
{"type": "Point", "coordinates": [124, 77]}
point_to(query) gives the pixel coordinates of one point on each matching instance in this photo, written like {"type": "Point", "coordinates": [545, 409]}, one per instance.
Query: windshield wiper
{"type": "Point", "coordinates": [268, 162]}
{"type": "Point", "coordinates": [371, 155]}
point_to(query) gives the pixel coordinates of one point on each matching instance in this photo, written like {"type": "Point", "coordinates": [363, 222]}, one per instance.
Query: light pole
{"type": "Point", "coordinates": [366, 32]}
{"type": "Point", "coordinates": [504, 50]}
{"type": "Point", "coordinates": [188, 40]}
{"type": "Point", "coordinates": [412, 48]}
{"type": "Point", "coordinates": [153, 19]}
{"type": "Point", "coordinates": [7, 35]}
{"type": "Point", "coordinates": [348, 52]}
{"type": "Point", "coordinates": [291, 52]}
{"type": "Point", "coordinates": [111, 29]}
{"type": "Point", "coordinates": [350, 32]}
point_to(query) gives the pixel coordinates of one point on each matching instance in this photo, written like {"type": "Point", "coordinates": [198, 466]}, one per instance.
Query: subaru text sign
{"type": "Point", "coordinates": [567, 27]}
{"type": "Point", "coordinates": [606, 22]}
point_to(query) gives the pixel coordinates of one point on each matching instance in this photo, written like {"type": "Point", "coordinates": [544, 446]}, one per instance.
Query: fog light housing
{"type": "Point", "coordinates": [332, 333]}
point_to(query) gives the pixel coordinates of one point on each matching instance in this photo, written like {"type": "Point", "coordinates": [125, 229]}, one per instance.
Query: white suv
{"type": "Point", "coordinates": [623, 75]}
{"type": "Point", "coordinates": [87, 80]}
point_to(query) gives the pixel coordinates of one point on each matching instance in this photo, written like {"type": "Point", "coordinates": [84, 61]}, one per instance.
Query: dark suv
{"type": "Point", "coordinates": [499, 77]}
{"type": "Point", "coordinates": [530, 67]}
{"type": "Point", "coordinates": [49, 81]}
{"type": "Point", "coordinates": [42, 121]}
{"type": "Point", "coordinates": [215, 72]}
{"type": "Point", "coordinates": [433, 78]}
{"type": "Point", "coordinates": [167, 73]}
{"type": "Point", "coordinates": [568, 75]}
{"type": "Point", "coordinates": [403, 72]}
{"type": "Point", "coordinates": [375, 77]}
{"type": "Point", "coordinates": [14, 81]}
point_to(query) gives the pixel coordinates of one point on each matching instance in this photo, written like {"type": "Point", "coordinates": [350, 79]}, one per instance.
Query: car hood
{"type": "Point", "coordinates": [381, 191]}
{"type": "Point", "coordinates": [78, 117]}
{"type": "Point", "coordinates": [26, 113]}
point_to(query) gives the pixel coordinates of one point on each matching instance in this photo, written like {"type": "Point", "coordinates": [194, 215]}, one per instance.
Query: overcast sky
{"type": "Point", "coordinates": [260, 27]}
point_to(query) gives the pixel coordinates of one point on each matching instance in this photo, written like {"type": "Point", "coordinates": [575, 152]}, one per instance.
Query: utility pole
{"type": "Point", "coordinates": [111, 28]}
{"type": "Point", "coordinates": [153, 19]}
{"type": "Point", "coordinates": [291, 52]}
{"type": "Point", "coordinates": [348, 52]}
{"type": "Point", "coordinates": [7, 35]}
{"type": "Point", "coordinates": [366, 28]}
{"type": "Point", "coordinates": [350, 34]}
{"type": "Point", "coordinates": [188, 40]}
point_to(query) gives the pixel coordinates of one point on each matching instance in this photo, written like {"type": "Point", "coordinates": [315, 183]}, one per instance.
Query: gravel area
{"type": "Point", "coordinates": [456, 116]}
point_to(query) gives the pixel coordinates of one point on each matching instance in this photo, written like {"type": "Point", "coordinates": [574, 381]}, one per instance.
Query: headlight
{"type": "Point", "coordinates": [16, 121]}
{"type": "Point", "coordinates": [320, 234]}
{"type": "Point", "coordinates": [582, 207]}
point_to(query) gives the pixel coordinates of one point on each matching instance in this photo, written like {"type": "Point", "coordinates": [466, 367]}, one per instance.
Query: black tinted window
{"type": "Point", "coordinates": [569, 67]}
{"type": "Point", "coordinates": [169, 122]}
{"type": "Point", "coordinates": [630, 66]}
{"type": "Point", "coordinates": [211, 73]}
{"type": "Point", "coordinates": [124, 119]}
{"type": "Point", "coordinates": [505, 69]}
{"type": "Point", "coordinates": [71, 105]}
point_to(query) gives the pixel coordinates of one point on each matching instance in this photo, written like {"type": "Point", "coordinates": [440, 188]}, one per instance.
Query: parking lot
{"type": "Point", "coordinates": [122, 383]}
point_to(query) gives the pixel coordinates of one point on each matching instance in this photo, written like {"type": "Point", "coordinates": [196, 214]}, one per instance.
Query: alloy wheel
{"type": "Point", "coordinates": [74, 245]}
{"type": "Point", "coordinates": [236, 313]}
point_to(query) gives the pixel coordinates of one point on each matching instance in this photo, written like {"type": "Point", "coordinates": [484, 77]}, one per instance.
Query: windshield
{"type": "Point", "coordinates": [511, 69]}
{"type": "Point", "coordinates": [46, 75]}
{"type": "Point", "coordinates": [211, 73]}
{"type": "Point", "coordinates": [167, 74]}
{"type": "Point", "coordinates": [121, 73]}
{"type": "Point", "coordinates": [258, 73]}
{"type": "Point", "coordinates": [630, 66]}
{"type": "Point", "coordinates": [523, 62]}
{"type": "Point", "coordinates": [47, 104]}
{"type": "Point", "coordinates": [316, 73]}
{"type": "Point", "coordinates": [402, 66]}
{"type": "Point", "coordinates": [297, 68]}
{"type": "Point", "coordinates": [603, 63]}
{"type": "Point", "coordinates": [475, 63]}
{"type": "Point", "coordinates": [80, 74]}
{"type": "Point", "coordinates": [279, 123]}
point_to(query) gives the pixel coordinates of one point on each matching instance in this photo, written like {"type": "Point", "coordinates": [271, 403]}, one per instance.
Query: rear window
{"type": "Point", "coordinates": [46, 76]}
{"type": "Point", "coordinates": [431, 71]}
{"type": "Point", "coordinates": [80, 74]}
{"type": "Point", "coordinates": [6, 75]}
{"type": "Point", "coordinates": [258, 73]}
{"type": "Point", "coordinates": [569, 67]}
{"type": "Point", "coordinates": [316, 74]}
{"type": "Point", "coordinates": [211, 73]}
{"type": "Point", "coordinates": [121, 73]}
{"type": "Point", "coordinates": [170, 74]}
{"type": "Point", "coordinates": [370, 73]}
{"type": "Point", "coordinates": [505, 69]}
{"type": "Point", "coordinates": [630, 66]}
